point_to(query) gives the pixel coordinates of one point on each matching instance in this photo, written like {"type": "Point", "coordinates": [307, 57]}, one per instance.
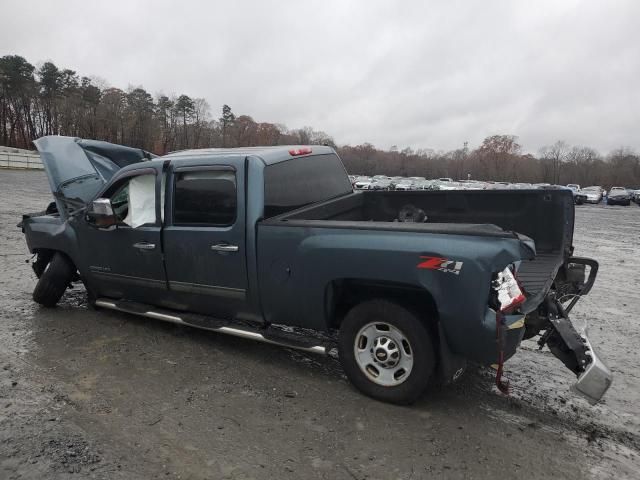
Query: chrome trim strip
{"type": "Point", "coordinates": [105, 304]}
{"type": "Point", "coordinates": [145, 282]}
{"type": "Point", "coordinates": [260, 338]}
{"type": "Point", "coordinates": [236, 332]}
{"type": "Point", "coordinates": [199, 289]}
{"type": "Point", "coordinates": [162, 316]}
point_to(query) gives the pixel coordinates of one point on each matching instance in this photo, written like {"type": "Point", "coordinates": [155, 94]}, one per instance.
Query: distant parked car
{"type": "Point", "coordinates": [380, 184]}
{"type": "Point", "coordinates": [573, 186]}
{"type": "Point", "coordinates": [442, 185]}
{"type": "Point", "coordinates": [578, 197]}
{"type": "Point", "coordinates": [405, 184]}
{"type": "Point", "coordinates": [593, 194]}
{"type": "Point", "coordinates": [634, 193]}
{"type": "Point", "coordinates": [426, 185]}
{"type": "Point", "coordinates": [445, 179]}
{"type": "Point", "coordinates": [618, 196]}
{"type": "Point", "coordinates": [500, 186]}
{"type": "Point", "coordinates": [362, 183]}
{"type": "Point", "coordinates": [473, 185]}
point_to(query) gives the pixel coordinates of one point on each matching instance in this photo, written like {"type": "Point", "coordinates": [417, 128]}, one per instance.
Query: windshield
{"type": "Point", "coordinates": [301, 181]}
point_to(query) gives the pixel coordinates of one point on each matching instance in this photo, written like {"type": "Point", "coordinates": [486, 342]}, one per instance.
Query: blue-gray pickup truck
{"type": "Point", "coordinates": [273, 244]}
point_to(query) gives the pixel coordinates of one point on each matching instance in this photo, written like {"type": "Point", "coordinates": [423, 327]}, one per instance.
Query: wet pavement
{"type": "Point", "coordinates": [99, 394]}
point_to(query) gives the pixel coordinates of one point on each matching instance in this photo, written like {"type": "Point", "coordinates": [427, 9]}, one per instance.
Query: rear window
{"type": "Point", "coordinates": [205, 198]}
{"type": "Point", "coordinates": [301, 181]}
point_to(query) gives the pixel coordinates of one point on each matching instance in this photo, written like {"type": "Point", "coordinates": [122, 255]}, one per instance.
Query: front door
{"type": "Point", "coordinates": [125, 262]}
{"type": "Point", "coordinates": [204, 239]}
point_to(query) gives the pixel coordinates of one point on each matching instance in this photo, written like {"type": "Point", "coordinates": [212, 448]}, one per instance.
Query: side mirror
{"type": "Point", "coordinates": [100, 214]}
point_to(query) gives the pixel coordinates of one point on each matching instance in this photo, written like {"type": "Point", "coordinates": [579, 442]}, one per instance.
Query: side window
{"type": "Point", "coordinates": [206, 197]}
{"type": "Point", "coordinates": [134, 201]}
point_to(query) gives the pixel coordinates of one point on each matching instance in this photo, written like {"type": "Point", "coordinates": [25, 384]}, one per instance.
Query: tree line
{"type": "Point", "coordinates": [48, 100]}
{"type": "Point", "coordinates": [500, 158]}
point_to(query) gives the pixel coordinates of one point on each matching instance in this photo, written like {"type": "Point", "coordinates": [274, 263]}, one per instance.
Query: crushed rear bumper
{"type": "Point", "coordinates": [596, 378]}
{"type": "Point", "coordinates": [578, 355]}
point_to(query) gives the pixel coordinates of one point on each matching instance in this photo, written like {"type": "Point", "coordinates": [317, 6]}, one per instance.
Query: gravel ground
{"type": "Point", "coordinates": [99, 394]}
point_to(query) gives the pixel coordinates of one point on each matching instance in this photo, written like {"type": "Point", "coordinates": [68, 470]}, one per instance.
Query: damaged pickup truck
{"type": "Point", "coordinates": [273, 244]}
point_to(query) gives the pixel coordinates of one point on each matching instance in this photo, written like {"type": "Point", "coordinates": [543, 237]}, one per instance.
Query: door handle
{"type": "Point", "coordinates": [224, 247]}
{"type": "Point", "coordinates": [144, 246]}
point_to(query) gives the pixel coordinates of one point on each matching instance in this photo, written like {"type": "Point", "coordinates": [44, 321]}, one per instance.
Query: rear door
{"type": "Point", "coordinates": [204, 238]}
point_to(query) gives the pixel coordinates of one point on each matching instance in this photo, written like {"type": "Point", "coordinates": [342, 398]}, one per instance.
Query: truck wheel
{"type": "Point", "coordinates": [54, 280]}
{"type": "Point", "coordinates": [386, 351]}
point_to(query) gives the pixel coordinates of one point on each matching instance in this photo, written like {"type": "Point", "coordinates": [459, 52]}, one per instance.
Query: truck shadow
{"type": "Point", "coordinates": [72, 330]}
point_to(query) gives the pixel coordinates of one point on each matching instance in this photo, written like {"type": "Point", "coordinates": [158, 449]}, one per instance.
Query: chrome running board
{"type": "Point", "coordinates": [272, 337]}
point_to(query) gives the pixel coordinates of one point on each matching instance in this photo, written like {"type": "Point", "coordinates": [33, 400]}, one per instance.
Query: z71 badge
{"type": "Point", "coordinates": [440, 264]}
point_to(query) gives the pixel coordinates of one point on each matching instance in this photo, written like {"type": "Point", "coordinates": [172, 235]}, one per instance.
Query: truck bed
{"type": "Point", "coordinates": [496, 213]}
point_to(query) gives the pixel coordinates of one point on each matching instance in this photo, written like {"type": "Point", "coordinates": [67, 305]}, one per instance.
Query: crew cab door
{"type": "Point", "coordinates": [125, 261]}
{"type": "Point", "coordinates": [204, 239]}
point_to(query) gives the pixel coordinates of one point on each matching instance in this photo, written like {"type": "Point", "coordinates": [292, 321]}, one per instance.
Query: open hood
{"type": "Point", "coordinates": [78, 169]}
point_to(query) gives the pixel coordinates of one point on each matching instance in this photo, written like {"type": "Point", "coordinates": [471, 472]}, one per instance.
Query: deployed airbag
{"type": "Point", "coordinates": [142, 201]}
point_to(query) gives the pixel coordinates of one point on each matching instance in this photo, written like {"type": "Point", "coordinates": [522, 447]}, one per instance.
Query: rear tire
{"type": "Point", "coordinates": [386, 351]}
{"type": "Point", "coordinates": [54, 280]}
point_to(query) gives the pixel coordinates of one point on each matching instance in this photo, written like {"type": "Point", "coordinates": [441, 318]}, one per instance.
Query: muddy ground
{"type": "Point", "coordinates": [99, 394]}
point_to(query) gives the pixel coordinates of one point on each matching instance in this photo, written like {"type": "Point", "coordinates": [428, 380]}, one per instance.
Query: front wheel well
{"type": "Point", "coordinates": [44, 256]}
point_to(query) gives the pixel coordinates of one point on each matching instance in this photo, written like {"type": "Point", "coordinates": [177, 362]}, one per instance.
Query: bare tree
{"type": "Point", "coordinates": [553, 156]}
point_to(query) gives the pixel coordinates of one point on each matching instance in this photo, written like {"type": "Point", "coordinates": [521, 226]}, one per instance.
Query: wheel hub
{"type": "Point", "coordinates": [383, 353]}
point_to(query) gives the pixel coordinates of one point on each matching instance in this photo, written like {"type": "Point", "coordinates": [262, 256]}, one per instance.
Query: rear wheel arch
{"type": "Point", "coordinates": [343, 294]}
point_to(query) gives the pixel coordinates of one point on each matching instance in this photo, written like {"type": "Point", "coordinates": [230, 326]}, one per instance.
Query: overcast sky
{"type": "Point", "coordinates": [419, 74]}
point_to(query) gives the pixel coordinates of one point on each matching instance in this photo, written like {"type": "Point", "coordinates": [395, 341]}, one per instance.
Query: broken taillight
{"type": "Point", "coordinates": [507, 291]}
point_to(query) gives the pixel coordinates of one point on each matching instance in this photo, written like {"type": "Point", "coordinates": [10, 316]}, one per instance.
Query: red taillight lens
{"type": "Point", "coordinates": [300, 151]}
{"type": "Point", "coordinates": [509, 294]}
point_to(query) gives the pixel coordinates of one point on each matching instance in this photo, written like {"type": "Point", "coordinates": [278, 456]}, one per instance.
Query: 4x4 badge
{"type": "Point", "coordinates": [440, 264]}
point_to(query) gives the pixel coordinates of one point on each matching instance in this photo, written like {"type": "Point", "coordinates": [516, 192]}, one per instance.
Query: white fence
{"type": "Point", "coordinates": [20, 160]}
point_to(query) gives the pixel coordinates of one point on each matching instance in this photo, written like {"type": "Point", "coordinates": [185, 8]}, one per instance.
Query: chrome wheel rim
{"type": "Point", "coordinates": [383, 353]}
